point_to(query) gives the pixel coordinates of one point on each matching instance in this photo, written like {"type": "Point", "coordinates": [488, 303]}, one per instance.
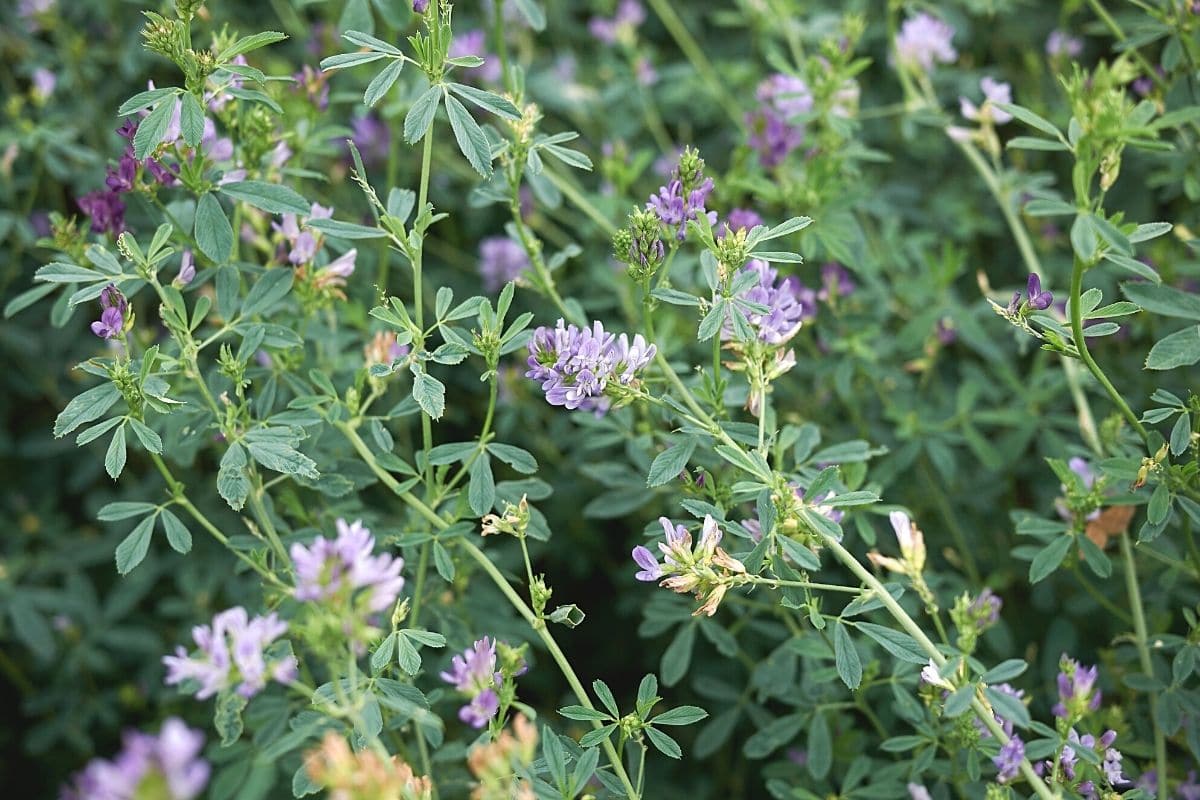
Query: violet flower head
{"type": "Point", "coordinates": [371, 137]}
{"type": "Point", "coordinates": [474, 674]}
{"type": "Point", "coordinates": [501, 260]}
{"type": "Point", "coordinates": [420, 6]}
{"type": "Point", "coordinates": [576, 366]}
{"type": "Point", "coordinates": [1008, 760]}
{"type": "Point", "coordinates": [1060, 43]}
{"type": "Point", "coordinates": [705, 570]}
{"type": "Point", "coordinates": [993, 92]}
{"type": "Point", "coordinates": [1038, 299]}
{"type": "Point", "coordinates": [740, 219]}
{"type": "Point", "coordinates": [924, 40]}
{"type": "Point", "coordinates": [621, 26]}
{"type": "Point", "coordinates": [675, 207]}
{"type": "Point", "coordinates": [166, 767]}
{"type": "Point", "coordinates": [1189, 789]}
{"type": "Point", "coordinates": [43, 83]}
{"type": "Point", "coordinates": [785, 301]}
{"type": "Point", "coordinates": [1077, 690]}
{"type": "Point", "coordinates": [315, 85]}
{"type": "Point", "coordinates": [776, 127]}
{"type": "Point", "coordinates": [345, 569]}
{"type": "Point", "coordinates": [113, 319]}
{"type": "Point", "coordinates": [232, 654]}
{"type": "Point", "coordinates": [106, 210]}
{"type": "Point", "coordinates": [986, 607]}
{"type": "Point", "coordinates": [187, 268]}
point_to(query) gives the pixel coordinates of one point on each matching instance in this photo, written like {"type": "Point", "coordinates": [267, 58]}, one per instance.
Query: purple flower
{"type": "Point", "coordinates": [303, 242]}
{"type": "Point", "coordinates": [1008, 760]}
{"type": "Point", "coordinates": [1035, 298]}
{"type": "Point", "coordinates": [1006, 725]}
{"type": "Point", "coordinates": [675, 208]}
{"type": "Point", "coordinates": [917, 792]}
{"type": "Point", "coordinates": [113, 304]}
{"type": "Point", "coordinates": [339, 568]}
{"type": "Point", "coordinates": [993, 92]}
{"type": "Point", "coordinates": [474, 43]}
{"type": "Point", "coordinates": [420, 6]}
{"type": "Point", "coordinates": [187, 268]}
{"type": "Point", "coordinates": [371, 137]}
{"type": "Point", "coordinates": [923, 40]}
{"type": "Point", "coordinates": [621, 26]}
{"type": "Point", "coordinates": [231, 653]}
{"type": "Point", "coordinates": [165, 767]}
{"type": "Point", "coordinates": [43, 82]}
{"type": "Point", "coordinates": [788, 303]}
{"type": "Point", "coordinates": [986, 607]}
{"type": "Point", "coordinates": [575, 366]}
{"type": "Point", "coordinates": [315, 85]}
{"type": "Point", "coordinates": [1077, 690]}
{"type": "Point", "coordinates": [836, 282]}
{"type": "Point", "coordinates": [651, 569]}
{"type": "Point", "coordinates": [106, 209]}
{"type": "Point", "coordinates": [501, 260]}
{"type": "Point", "coordinates": [775, 127]}
{"type": "Point", "coordinates": [474, 674]}
{"type": "Point", "coordinates": [1189, 789]}
{"type": "Point", "coordinates": [1059, 43]}
{"type": "Point", "coordinates": [945, 331]}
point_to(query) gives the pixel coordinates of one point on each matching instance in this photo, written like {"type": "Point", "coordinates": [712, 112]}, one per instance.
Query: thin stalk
{"type": "Point", "coordinates": [577, 198]}
{"type": "Point", "coordinates": [539, 626]}
{"type": "Point", "coordinates": [700, 62]}
{"type": "Point", "coordinates": [1141, 641]}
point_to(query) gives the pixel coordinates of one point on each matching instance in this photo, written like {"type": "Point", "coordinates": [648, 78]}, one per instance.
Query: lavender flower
{"type": "Point", "coordinates": [1077, 690]}
{"type": "Point", "coordinates": [474, 674]}
{"type": "Point", "coordinates": [775, 130]}
{"type": "Point", "coordinates": [924, 40]}
{"type": "Point", "coordinates": [113, 319]}
{"type": "Point", "coordinates": [474, 43]}
{"type": "Point", "coordinates": [1008, 760]}
{"type": "Point", "coordinates": [315, 85]}
{"type": "Point", "coordinates": [788, 303]}
{"type": "Point", "coordinates": [371, 137]}
{"type": "Point", "coordinates": [165, 767]}
{"type": "Point", "coordinates": [622, 26]}
{"type": "Point", "coordinates": [917, 792]}
{"type": "Point", "coordinates": [576, 366]}
{"type": "Point", "coordinates": [1189, 789]}
{"type": "Point", "coordinates": [501, 260]}
{"type": "Point", "coordinates": [43, 83]}
{"type": "Point", "coordinates": [986, 607]}
{"type": "Point", "coordinates": [836, 282]}
{"type": "Point", "coordinates": [231, 653]}
{"type": "Point", "coordinates": [740, 219]}
{"type": "Point", "coordinates": [705, 570]}
{"type": "Point", "coordinates": [993, 92]}
{"type": "Point", "coordinates": [675, 207]}
{"type": "Point", "coordinates": [420, 6]}
{"type": "Point", "coordinates": [187, 268]}
{"type": "Point", "coordinates": [1036, 298]}
{"type": "Point", "coordinates": [1060, 43]}
{"type": "Point", "coordinates": [339, 568]}
{"type": "Point", "coordinates": [303, 241]}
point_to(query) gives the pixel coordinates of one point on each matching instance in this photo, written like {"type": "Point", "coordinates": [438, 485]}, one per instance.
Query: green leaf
{"type": "Point", "coordinates": [420, 115]}
{"type": "Point", "coordinates": [849, 666]}
{"type": "Point", "coordinates": [145, 99]}
{"type": "Point", "coordinates": [442, 562]}
{"type": "Point", "coordinates": [270, 197]}
{"type": "Point", "coordinates": [1048, 559]}
{"type": "Point", "coordinates": [344, 230]}
{"type": "Point", "coordinates": [1084, 239]}
{"type": "Point", "coordinates": [1031, 119]}
{"type": "Point", "coordinates": [900, 645]}
{"type": "Point", "coordinates": [1005, 671]}
{"type": "Point", "coordinates": [344, 60]}
{"type": "Point", "coordinates": [153, 128]}
{"type": "Point", "coordinates": [407, 656]}
{"type": "Point", "coordinates": [1133, 265]}
{"type": "Point", "coordinates": [191, 120]}
{"type": "Point", "coordinates": [582, 714]}
{"type": "Point", "coordinates": [1181, 434]}
{"type": "Point", "coordinates": [533, 14]}
{"type": "Point", "coordinates": [678, 655]}
{"type": "Point", "coordinates": [114, 459]}
{"type": "Point", "coordinates": [284, 458]}
{"type": "Point", "coordinates": [1042, 207]}
{"type": "Point", "coordinates": [1179, 349]}
{"type": "Point", "coordinates": [1166, 300]}
{"type": "Point", "coordinates": [606, 697]}
{"type": "Point", "coordinates": [820, 746]}
{"type": "Point", "coordinates": [146, 435]}
{"type": "Point", "coordinates": [668, 464]}
{"type": "Point", "coordinates": [1151, 230]}
{"type": "Point", "coordinates": [470, 137]}
{"type": "Point", "coordinates": [214, 234]}
{"type": "Point", "coordinates": [248, 43]}
{"type": "Point", "coordinates": [268, 290]}
{"type": "Point", "coordinates": [430, 394]}
{"type": "Point", "coordinates": [959, 701]}
{"type": "Point", "coordinates": [178, 536]}
{"type": "Point", "coordinates": [492, 103]}
{"type": "Point", "coordinates": [371, 43]}
{"type": "Point", "coordinates": [382, 83]}
{"type": "Point", "coordinates": [481, 492]}
{"type": "Point", "coordinates": [663, 743]}
{"type": "Point", "coordinates": [232, 483]}
{"type": "Point", "coordinates": [60, 272]}
{"type": "Point", "coordinates": [133, 548]}
{"type": "Point", "coordinates": [1035, 143]}
{"type": "Point", "coordinates": [85, 408]}
{"type": "Point", "coordinates": [1159, 506]}
{"type": "Point", "coordinates": [520, 460]}
{"type": "Point", "coordinates": [124, 510]}
{"type": "Point", "coordinates": [593, 738]}
{"type": "Point", "coordinates": [683, 715]}
{"type": "Point", "coordinates": [1009, 707]}
{"type": "Point", "coordinates": [227, 716]}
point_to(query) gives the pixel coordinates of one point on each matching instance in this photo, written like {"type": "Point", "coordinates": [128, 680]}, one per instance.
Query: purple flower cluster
{"type": "Point", "coordinates": [339, 568]}
{"type": "Point", "coordinates": [775, 127]}
{"type": "Point", "coordinates": [231, 653]}
{"type": "Point", "coordinates": [986, 607]}
{"type": "Point", "coordinates": [994, 91]}
{"type": "Point", "coordinates": [621, 26]}
{"type": "Point", "coordinates": [1068, 761]}
{"type": "Point", "coordinates": [677, 204]}
{"type": "Point", "coordinates": [704, 570]}
{"type": "Point", "coordinates": [576, 365]}
{"type": "Point", "coordinates": [1036, 299]}
{"type": "Point", "coordinates": [501, 260]}
{"type": "Point", "coordinates": [789, 303]}
{"type": "Point", "coordinates": [924, 40]}
{"type": "Point", "coordinates": [474, 674]}
{"type": "Point", "coordinates": [1077, 689]}
{"type": "Point", "coordinates": [836, 283]}
{"type": "Point", "coordinates": [166, 767]}
{"type": "Point", "coordinates": [1060, 43]}
{"type": "Point", "coordinates": [114, 316]}
{"type": "Point", "coordinates": [1008, 760]}
{"type": "Point", "coordinates": [740, 219]}
{"type": "Point", "coordinates": [303, 243]}
{"type": "Point", "coordinates": [372, 138]}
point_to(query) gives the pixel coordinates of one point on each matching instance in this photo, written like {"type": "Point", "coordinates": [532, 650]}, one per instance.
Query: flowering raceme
{"type": "Point", "coordinates": [789, 303]}
{"type": "Point", "coordinates": [232, 654]}
{"type": "Point", "coordinates": [501, 260]}
{"type": "Point", "coordinates": [344, 571]}
{"type": "Point", "coordinates": [474, 674]}
{"type": "Point", "coordinates": [706, 570]}
{"type": "Point", "coordinates": [924, 39]}
{"type": "Point", "coordinates": [775, 127]}
{"type": "Point", "coordinates": [576, 366]}
{"type": "Point", "coordinates": [163, 767]}
{"type": "Point", "coordinates": [115, 317]}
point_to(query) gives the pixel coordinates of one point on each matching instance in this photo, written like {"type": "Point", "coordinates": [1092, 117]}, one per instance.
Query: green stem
{"type": "Point", "coordinates": [691, 48]}
{"type": "Point", "coordinates": [502, 584]}
{"type": "Point", "coordinates": [418, 296]}
{"type": "Point", "coordinates": [581, 202]}
{"type": "Point", "coordinates": [1141, 640]}
{"type": "Point", "coordinates": [1086, 356]}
